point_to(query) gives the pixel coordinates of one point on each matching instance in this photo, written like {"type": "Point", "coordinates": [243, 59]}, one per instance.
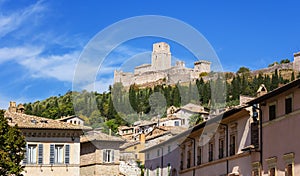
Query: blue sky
{"type": "Point", "coordinates": [40, 41]}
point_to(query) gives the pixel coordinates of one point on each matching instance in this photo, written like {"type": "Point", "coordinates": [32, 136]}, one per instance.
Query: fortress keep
{"type": "Point", "coordinates": [160, 69]}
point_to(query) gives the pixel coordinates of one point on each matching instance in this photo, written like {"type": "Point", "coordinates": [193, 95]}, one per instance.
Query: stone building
{"type": "Point", "coordinates": [280, 115]}
{"type": "Point", "coordinates": [99, 154]}
{"type": "Point", "coordinates": [161, 69]}
{"type": "Point", "coordinates": [52, 147]}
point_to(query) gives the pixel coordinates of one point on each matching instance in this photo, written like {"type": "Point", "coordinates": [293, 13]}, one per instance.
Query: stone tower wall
{"type": "Point", "coordinates": [202, 66]}
{"type": "Point", "coordinates": [161, 56]}
{"type": "Point", "coordinates": [296, 63]}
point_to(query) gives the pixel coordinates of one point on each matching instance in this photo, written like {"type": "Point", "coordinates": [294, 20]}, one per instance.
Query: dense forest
{"type": "Point", "coordinates": [120, 106]}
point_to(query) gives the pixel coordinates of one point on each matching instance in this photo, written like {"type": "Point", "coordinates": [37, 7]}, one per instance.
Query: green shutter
{"type": "Point", "coordinates": [51, 153]}
{"type": "Point", "coordinates": [40, 154]}
{"type": "Point", "coordinates": [25, 155]}
{"type": "Point", "coordinates": [67, 154]}
{"type": "Point", "coordinates": [104, 156]}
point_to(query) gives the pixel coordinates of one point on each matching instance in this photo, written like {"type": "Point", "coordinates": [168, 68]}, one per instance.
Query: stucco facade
{"type": "Point", "coordinates": [52, 147]}
{"type": "Point", "coordinates": [280, 121]}
{"type": "Point", "coordinates": [100, 155]}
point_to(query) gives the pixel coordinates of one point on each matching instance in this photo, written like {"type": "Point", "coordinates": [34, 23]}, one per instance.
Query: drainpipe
{"type": "Point", "coordinates": [194, 141]}
{"type": "Point", "coordinates": [227, 146]}
{"type": "Point", "coordinates": [260, 134]}
{"type": "Point", "coordinates": [162, 160]}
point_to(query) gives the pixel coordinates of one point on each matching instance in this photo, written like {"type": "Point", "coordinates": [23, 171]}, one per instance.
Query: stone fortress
{"type": "Point", "coordinates": [160, 70]}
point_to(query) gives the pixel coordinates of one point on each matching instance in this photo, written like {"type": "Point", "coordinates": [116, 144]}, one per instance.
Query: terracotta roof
{"type": "Point", "coordinates": [129, 144]}
{"type": "Point", "coordinates": [163, 130]}
{"type": "Point", "coordinates": [194, 108]}
{"type": "Point", "coordinates": [143, 123]}
{"type": "Point", "coordinates": [30, 121]}
{"type": "Point", "coordinates": [68, 117]}
{"type": "Point", "coordinates": [185, 133]}
{"type": "Point", "coordinates": [275, 92]}
{"type": "Point", "coordinates": [124, 127]}
{"type": "Point", "coordinates": [99, 136]}
{"type": "Point", "coordinates": [171, 117]}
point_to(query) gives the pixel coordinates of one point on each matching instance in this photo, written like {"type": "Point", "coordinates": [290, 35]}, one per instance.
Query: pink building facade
{"type": "Point", "coordinates": [280, 114]}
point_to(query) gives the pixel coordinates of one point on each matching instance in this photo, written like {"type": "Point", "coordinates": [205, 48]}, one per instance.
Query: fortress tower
{"type": "Point", "coordinates": [296, 63]}
{"type": "Point", "coordinates": [161, 56]}
{"type": "Point", "coordinates": [202, 66]}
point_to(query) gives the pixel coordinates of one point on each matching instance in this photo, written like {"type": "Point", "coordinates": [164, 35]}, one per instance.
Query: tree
{"type": "Point", "coordinates": [284, 61]}
{"type": "Point", "coordinates": [12, 148]}
{"type": "Point", "coordinates": [243, 70]}
{"type": "Point", "coordinates": [293, 76]}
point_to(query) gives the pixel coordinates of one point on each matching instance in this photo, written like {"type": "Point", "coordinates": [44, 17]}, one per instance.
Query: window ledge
{"type": "Point", "coordinates": [280, 118]}
{"type": "Point", "coordinates": [240, 155]}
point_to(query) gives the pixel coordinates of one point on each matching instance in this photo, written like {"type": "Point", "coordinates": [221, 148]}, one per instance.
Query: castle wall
{"type": "Point", "coordinates": [202, 66]}
{"type": "Point", "coordinates": [142, 69]}
{"type": "Point", "coordinates": [160, 69]}
{"type": "Point", "coordinates": [123, 77]}
{"type": "Point", "coordinates": [149, 77]}
{"type": "Point", "coordinates": [176, 75]}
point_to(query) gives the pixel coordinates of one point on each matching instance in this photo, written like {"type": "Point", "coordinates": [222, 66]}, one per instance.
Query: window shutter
{"type": "Point", "coordinates": [40, 156]}
{"type": "Point", "coordinates": [112, 155]}
{"type": "Point", "coordinates": [51, 153]}
{"type": "Point", "coordinates": [25, 155]}
{"type": "Point", "coordinates": [104, 156]}
{"type": "Point", "coordinates": [67, 154]}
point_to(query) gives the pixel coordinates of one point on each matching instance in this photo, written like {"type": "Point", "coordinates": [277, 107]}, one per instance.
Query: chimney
{"type": "Point", "coordinates": [261, 90]}
{"type": "Point", "coordinates": [12, 106]}
{"type": "Point", "coordinates": [142, 138]}
{"type": "Point", "coordinates": [20, 108]}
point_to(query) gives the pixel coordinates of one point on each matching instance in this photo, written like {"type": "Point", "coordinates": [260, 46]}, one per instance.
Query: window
{"type": "Point", "coordinates": [210, 151]}
{"type": "Point", "coordinates": [199, 154]}
{"type": "Point", "coordinates": [31, 154]}
{"type": "Point", "coordinates": [158, 152]}
{"type": "Point", "coordinates": [272, 112]}
{"type": "Point", "coordinates": [272, 172]}
{"type": "Point", "coordinates": [58, 154]}
{"type": "Point", "coordinates": [289, 164]}
{"type": "Point", "coordinates": [176, 123]}
{"type": "Point", "coordinates": [169, 148]}
{"type": "Point", "coordinates": [232, 145]}
{"type": "Point", "coordinates": [221, 148]}
{"type": "Point", "coordinates": [289, 170]}
{"type": "Point", "coordinates": [188, 163]}
{"type": "Point", "coordinates": [288, 105]}
{"type": "Point", "coordinates": [183, 121]}
{"type": "Point", "coordinates": [256, 169]}
{"type": "Point", "coordinates": [108, 156]}
{"type": "Point", "coordinates": [272, 164]}
{"type": "Point", "coordinates": [148, 155]}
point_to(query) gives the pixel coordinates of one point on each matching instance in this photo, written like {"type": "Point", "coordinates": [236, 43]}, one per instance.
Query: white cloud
{"type": "Point", "coordinates": [60, 67]}
{"type": "Point", "coordinates": [16, 53]}
{"type": "Point", "coordinates": [13, 21]}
